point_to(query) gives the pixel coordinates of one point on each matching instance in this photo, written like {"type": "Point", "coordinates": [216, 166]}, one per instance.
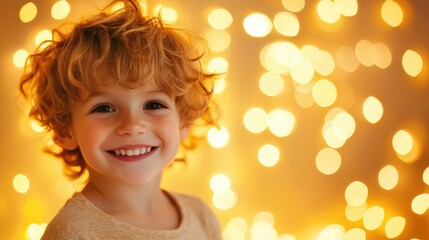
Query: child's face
{"type": "Point", "coordinates": [126, 135]}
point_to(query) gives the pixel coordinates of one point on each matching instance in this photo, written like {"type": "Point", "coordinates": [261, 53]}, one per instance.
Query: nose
{"type": "Point", "coordinates": [131, 124]}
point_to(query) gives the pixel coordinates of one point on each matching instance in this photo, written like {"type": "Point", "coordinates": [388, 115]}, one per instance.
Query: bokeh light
{"type": "Point", "coordinates": [420, 203]}
{"type": "Point", "coordinates": [343, 87]}
{"type": "Point", "coordinates": [328, 161]}
{"type": "Point", "coordinates": [255, 120]}
{"type": "Point", "coordinates": [373, 218]}
{"type": "Point", "coordinates": [28, 12]}
{"type": "Point", "coordinates": [60, 10]}
{"type": "Point", "coordinates": [20, 57]}
{"type": "Point", "coordinates": [391, 13]}
{"type": "Point", "coordinates": [268, 155]}
{"type": "Point", "coordinates": [287, 24]}
{"type": "Point", "coordinates": [356, 193]}
{"type": "Point", "coordinates": [402, 142]}
{"type": "Point", "coordinates": [218, 137]}
{"type": "Point", "coordinates": [348, 8]}
{"type": "Point", "coordinates": [327, 11]}
{"type": "Point", "coordinates": [220, 18]}
{"type": "Point", "coordinates": [324, 93]}
{"type": "Point", "coordinates": [293, 5]}
{"type": "Point", "coordinates": [281, 122]}
{"type": "Point", "coordinates": [271, 84]}
{"type": "Point", "coordinates": [372, 109]}
{"type": "Point", "coordinates": [412, 63]}
{"type": "Point", "coordinates": [394, 226]}
{"type": "Point", "coordinates": [21, 183]}
{"type": "Point", "coordinates": [257, 25]}
{"type": "Point", "coordinates": [388, 177]}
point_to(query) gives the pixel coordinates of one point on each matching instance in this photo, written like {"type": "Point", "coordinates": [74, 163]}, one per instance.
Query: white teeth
{"type": "Point", "coordinates": [132, 152]}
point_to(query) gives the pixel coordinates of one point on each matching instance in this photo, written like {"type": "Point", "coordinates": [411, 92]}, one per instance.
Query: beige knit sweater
{"type": "Point", "coordinates": [80, 219]}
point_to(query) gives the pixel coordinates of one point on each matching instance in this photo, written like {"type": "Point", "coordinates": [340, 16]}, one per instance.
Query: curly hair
{"type": "Point", "coordinates": [121, 47]}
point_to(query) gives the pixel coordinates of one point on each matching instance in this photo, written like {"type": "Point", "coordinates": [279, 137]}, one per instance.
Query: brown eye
{"type": "Point", "coordinates": [154, 106]}
{"type": "Point", "coordinates": [103, 109]}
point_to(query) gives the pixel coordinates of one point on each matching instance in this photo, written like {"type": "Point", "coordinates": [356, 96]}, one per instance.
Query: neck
{"type": "Point", "coordinates": [145, 206]}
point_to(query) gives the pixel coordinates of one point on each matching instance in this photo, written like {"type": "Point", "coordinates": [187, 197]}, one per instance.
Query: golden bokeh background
{"type": "Point", "coordinates": [324, 118]}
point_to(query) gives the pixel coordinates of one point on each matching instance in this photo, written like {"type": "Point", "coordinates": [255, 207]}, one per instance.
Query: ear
{"type": "Point", "coordinates": [68, 141]}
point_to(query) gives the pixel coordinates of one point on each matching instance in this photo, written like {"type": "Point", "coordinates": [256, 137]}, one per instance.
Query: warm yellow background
{"type": "Point", "coordinates": [302, 200]}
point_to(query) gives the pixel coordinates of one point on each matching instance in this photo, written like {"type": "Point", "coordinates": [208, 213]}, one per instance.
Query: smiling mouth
{"type": "Point", "coordinates": [132, 152]}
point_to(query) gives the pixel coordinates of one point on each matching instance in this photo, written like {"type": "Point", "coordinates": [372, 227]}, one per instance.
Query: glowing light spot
{"type": "Point", "coordinates": [355, 234]}
{"type": "Point", "coordinates": [279, 56]}
{"type": "Point", "coordinates": [364, 53]}
{"type": "Point", "coordinates": [19, 58]}
{"type": "Point", "coordinates": [391, 12]}
{"type": "Point", "coordinates": [302, 71]}
{"type": "Point", "coordinates": [355, 214]}
{"type": "Point", "coordinates": [167, 14]}
{"type": "Point", "coordinates": [346, 59]}
{"type": "Point", "coordinates": [332, 232]}
{"type": "Point", "coordinates": [21, 183]}
{"type": "Point", "coordinates": [373, 218]}
{"type": "Point", "coordinates": [218, 40]}
{"type": "Point", "coordinates": [287, 24]}
{"type": "Point", "coordinates": [381, 55]}
{"type": "Point", "coordinates": [220, 183]}
{"type": "Point", "coordinates": [238, 223]}
{"type": "Point", "coordinates": [402, 142]}
{"type": "Point", "coordinates": [388, 177]}
{"type": "Point", "coordinates": [271, 84]}
{"type": "Point", "coordinates": [343, 125]}
{"type": "Point", "coordinates": [293, 5]}
{"type": "Point", "coordinates": [328, 161]}
{"type": "Point", "coordinates": [286, 53]}
{"type": "Point", "coordinates": [28, 12]}
{"type": "Point", "coordinates": [225, 201]}
{"type": "Point", "coordinates": [64, 189]}
{"type": "Point", "coordinates": [41, 37]}
{"type": "Point", "coordinates": [35, 231]}
{"type": "Point", "coordinates": [394, 227]}
{"type": "Point", "coordinates": [347, 8]}
{"type": "Point", "coordinates": [218, 137]}
{"type": "Point", "coordinates": [35, 126]}
{"type": "Point", "coordinates": [257, 25]}
{"type": "Point", "coordinates": [220, 19]}
{"type": "Point", "coordinates": [426, 176]}
{"type": "Point", "coordinates": [420, 203]}
{"type": "Point", "coordinates": [356, 193]}
{"type": "Point", "coordinates": [120, 6]}
{"type": "Point", "coordinates": [219, 86]}
{"type": "Point", "coordinates": [263, 230]}
{"type": "Point", "coordinates": [281, 122]}
{"type": "Point", "coordinates": [325, 64]}
{"type": "Point", "coordinates": [264, 216]}
{"type": "Point", "coordinates": [372, 109]}
{"type": "Point", "coordinates": [218, 65]}
{"type": "Point", "coordinates": [268, 155]}
{"type": "Point", "coordinates": [412, 63]}
{"type": "Point", "coordinates": [339, 126]}
{"type": "Point", "coordinates": [255, 120]}
{"type": "Point", "coordinates": [324, 93]}
{"type": "Point", "coordinates": [60, 10]}
{"type": "Point", "coordinates": [327, 11]}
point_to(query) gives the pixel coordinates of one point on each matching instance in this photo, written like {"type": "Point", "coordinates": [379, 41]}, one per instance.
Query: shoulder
{"type": "Point", "coordinates": [198, 213]}
{"type": "Point", "coordinates": [74, 220]}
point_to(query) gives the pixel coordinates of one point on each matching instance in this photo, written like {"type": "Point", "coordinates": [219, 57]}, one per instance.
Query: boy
{"type": "Point", "coordinates": [120, 93]}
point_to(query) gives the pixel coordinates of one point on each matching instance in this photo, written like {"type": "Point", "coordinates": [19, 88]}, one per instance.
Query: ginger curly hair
{"type": "Point", "coordinates": [121, 47]}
